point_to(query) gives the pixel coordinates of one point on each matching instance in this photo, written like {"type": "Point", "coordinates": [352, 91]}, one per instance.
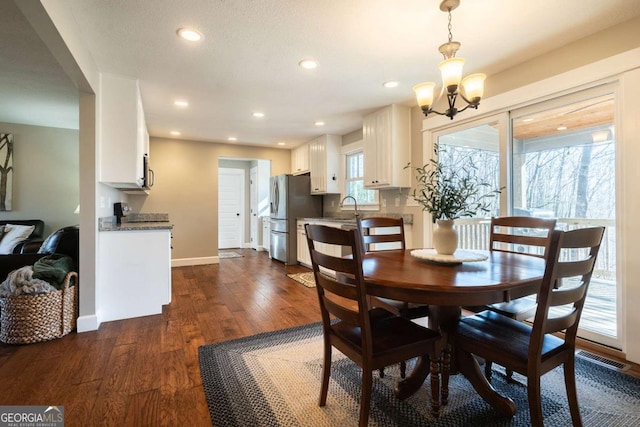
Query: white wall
{"type": "Point", "coordinates": [46, 182]}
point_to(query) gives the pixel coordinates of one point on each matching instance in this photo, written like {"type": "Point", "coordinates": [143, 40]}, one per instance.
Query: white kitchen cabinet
{"type": "Point", "coordinates": [135, 275]}
{"type": "Point", "coordinates": [387, 147]}
{"type": "Point", "coordinates": [324, 164]}
{"type": "Point", "coordinates": [266, 233]}
{"type": "Point", "coordinates": [123, 132]}
{"type": "Point", "coordinates": [300, 160]}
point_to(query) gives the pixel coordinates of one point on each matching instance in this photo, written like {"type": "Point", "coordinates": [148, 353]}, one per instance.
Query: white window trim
{"type": "Point", "coordinates": [344, 152]}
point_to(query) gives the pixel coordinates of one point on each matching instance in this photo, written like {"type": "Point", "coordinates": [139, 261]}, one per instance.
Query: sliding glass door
{"type": "Point", "coordinates": [564, 166]}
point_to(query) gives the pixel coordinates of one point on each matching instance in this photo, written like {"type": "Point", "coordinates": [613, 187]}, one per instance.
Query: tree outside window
{"type": "Point", "coordinates": [354, 181]}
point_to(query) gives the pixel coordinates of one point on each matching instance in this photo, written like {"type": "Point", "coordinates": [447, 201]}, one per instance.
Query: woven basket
{"type": "Point", "coordinates": [26, 319]}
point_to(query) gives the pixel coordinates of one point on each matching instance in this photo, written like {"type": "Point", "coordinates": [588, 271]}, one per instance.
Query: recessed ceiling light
{"type": "Point", "coordinates": [281, 143]}
{"type": "Point", "coordinates": [190, 34]}
{"type": "Point", "coordinates": [174, 133]}
{"type": "Point", "coordinates": [232, 138]}
{"type": "Point", "coordinates": [390, 84]}
{"type": "Point", "coordinates": [308, 64]}
{"type": "Point", "coordinates": [181, 103]}
{"type": "Point", "coordinates": [527, 120]}
{"type": "Point", "coordinates": [562, 127]}
{"type": "Point", "coordinates": [258, 114]}
{"type": "Point", "coordinates": [319, 123]}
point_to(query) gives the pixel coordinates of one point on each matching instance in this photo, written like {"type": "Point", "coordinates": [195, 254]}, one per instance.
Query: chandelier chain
{"type": "Point", "coordinates": [449, 26]}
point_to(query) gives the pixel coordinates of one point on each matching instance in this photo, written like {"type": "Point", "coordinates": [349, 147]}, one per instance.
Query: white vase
{"type": "Point", "coordinates": [445, 238]}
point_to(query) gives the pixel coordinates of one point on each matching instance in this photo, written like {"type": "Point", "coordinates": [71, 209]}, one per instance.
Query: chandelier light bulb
{"type": "Point", "coordinates": [473, 86]}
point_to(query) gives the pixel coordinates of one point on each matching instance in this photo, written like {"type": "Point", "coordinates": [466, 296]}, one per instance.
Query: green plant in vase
{"type": "Point", "coordinates": [449, 193]}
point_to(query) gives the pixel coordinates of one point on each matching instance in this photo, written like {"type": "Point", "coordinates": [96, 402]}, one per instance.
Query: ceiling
{"type": "Point", "coordinates": [248, 60]}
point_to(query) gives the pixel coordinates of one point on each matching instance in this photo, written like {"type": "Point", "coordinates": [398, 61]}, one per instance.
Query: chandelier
{"type": "Point", "coordinates": [451, 68]}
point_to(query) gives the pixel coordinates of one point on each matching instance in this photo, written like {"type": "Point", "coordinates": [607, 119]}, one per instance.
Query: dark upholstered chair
{"type": "Point", "coordinates": [533, 350]}
{"type": "Point", "coordinates": [372, 338]}
{"type": "Point", "coordinates": [64, 241]}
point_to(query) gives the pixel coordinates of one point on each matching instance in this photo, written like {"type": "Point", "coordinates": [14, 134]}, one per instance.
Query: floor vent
{"type": "Point", "coordinates": [603, 361]}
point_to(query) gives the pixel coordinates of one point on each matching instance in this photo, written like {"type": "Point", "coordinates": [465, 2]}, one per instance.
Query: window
{"type": "Point", "coordinates": [354, 181]}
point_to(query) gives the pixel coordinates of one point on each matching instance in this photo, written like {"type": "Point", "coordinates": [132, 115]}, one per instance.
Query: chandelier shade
{"type": "Point", "coordinates": [470, 88]}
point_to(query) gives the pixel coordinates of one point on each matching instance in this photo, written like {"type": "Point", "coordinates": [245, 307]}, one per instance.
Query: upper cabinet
{"type": "Point", "coordinates": [387, 147]}
{"type": "Point", "coordinates": [300, 160]}
{"type": "Point", "coordinates": [324, 162]}
{"type": "Point", "coordinates": [124, 139]}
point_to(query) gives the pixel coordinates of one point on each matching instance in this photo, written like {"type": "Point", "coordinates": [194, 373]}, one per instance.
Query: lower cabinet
{"type": "Point", "coordinates": [304, 257]}
{"type": "Point", "coordinates": [303, 247]}
{"type": "Point", "coordinates": [135, 278]}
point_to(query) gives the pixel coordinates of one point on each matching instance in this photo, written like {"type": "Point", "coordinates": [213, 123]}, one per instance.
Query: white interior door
{"type": "Point", "coordinates": [253, 210]}
{"type": "Point", "coordinates": [230, 207]}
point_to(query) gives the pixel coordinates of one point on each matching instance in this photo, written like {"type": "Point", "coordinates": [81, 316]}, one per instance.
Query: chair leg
{"type": "Point", "coordinates": [446, 371]}
{"type": "Point", "coordinates": [365, 400]}
{"type": "Point", "coordinates": [403, 369]}
{"type": "Point", "coordinates": [326, 372]}
{"type": "Point", "coordinates": [435, 386]}
{"type": "Point", "coordinates": [535, 401]}
{"type": "Point", "coordinates": [572, 396]}
{"type": "Point", "coordinates": [487, 369]}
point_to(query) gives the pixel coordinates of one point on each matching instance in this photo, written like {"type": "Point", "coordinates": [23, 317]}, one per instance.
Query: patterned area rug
{"type": "Point", "coordinates": [304, 278]}
{"type": "Point", "coordinates": [229, 254]}
{"type": "Point", "coordinates": [273, 379]}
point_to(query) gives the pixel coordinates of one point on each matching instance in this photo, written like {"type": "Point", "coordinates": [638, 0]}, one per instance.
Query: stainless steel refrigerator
{"type": "Point", "coordinates": [290, 199]}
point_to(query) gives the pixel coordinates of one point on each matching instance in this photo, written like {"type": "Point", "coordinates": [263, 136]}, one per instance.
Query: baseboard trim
{"type": "Point", "coordinates": [185, 262]}
{"type": "Point", "coordinates": [88, 323]}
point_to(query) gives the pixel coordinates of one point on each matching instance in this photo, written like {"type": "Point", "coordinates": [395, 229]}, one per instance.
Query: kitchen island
{"type": "Point", "coordinates": [136, 280]}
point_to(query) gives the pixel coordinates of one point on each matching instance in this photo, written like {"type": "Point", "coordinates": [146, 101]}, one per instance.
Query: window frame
{"type": "Point", "coordinates": [350, 150]}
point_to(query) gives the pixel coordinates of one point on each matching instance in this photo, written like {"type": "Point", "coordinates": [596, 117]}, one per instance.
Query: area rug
{"type": "Point", "coordinates": [304, 278]}
{"type": "Point", "coordinates": [229, 254]}
{"type": "Point", "coordinates": [273, 379]}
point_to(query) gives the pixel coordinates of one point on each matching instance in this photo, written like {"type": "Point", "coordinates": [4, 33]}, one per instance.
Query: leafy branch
{"type": "Point", "coordinates": [448, 193]}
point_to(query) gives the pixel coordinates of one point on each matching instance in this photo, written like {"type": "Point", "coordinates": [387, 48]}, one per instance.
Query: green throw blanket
{"type": "Point", "coordinates": [53, 269]}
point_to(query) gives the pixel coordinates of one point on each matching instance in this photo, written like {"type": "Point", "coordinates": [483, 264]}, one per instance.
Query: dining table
{"type": "Point", "coordinates": [447, 286]}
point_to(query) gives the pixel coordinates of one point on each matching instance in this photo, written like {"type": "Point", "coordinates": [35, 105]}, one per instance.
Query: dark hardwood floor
{"type": "Point", "coordinates": [144, 371]}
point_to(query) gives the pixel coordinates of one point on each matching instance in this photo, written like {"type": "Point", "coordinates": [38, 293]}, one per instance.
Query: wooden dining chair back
{"type": "Point", "coordinates": [382, 233]}
{"type": "Point", "coordinates": [372, 338]}
{"type": "Point", "coordinates": [521, 234]}
{"type": "Point", "coordinates": [533, 350]}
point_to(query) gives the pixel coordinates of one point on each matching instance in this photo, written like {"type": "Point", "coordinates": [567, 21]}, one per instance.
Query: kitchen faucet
{"type": "Point", "coordinates": [355, 202]}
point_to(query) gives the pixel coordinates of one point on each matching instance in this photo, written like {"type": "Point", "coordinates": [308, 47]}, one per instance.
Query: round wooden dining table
{"type": "Point", "coordinates": [503, 276]}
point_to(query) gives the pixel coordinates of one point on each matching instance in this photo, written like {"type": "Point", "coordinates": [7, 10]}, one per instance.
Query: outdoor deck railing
{"type": "Point", "coordinates": [473, 233]}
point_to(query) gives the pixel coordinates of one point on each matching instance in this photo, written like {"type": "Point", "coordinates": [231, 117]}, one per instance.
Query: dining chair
{"type": "Point", "coordinates": [384, 233]}
{"type": "Point", "coordinates": [371, 337]}
{"type": "Point", "coordinates": [533, 350]}
{"type": "Point", "coordinates": [519, 234]}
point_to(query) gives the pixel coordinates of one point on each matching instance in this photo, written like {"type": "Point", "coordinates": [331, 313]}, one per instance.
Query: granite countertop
{"type": "Point", "coordinates": [134, 222]}
{"type": "Point", "coordinates": [350, 219]}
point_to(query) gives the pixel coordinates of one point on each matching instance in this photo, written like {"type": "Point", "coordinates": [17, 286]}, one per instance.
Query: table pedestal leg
{"type": "Point", "coordinates": [468, 366]}
{"type": "Point", "coordinates": [413, 382]}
